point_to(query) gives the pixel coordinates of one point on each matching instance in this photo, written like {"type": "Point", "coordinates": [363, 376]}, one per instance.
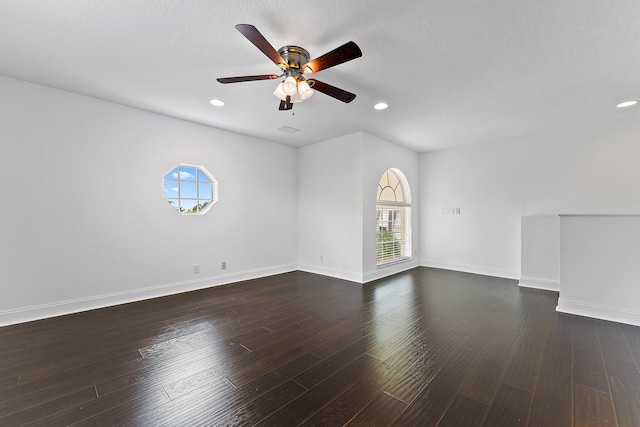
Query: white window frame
{"type": "Point", "coordinates": [402, 236]}
{"type": "Point", "coordinates": [179, 198]}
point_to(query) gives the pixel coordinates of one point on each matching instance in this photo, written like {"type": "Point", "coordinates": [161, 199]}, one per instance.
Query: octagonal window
{"type": "Point", "coordinates": [190, 189]}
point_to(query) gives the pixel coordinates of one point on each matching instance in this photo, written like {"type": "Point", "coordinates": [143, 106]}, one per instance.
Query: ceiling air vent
{"type": "Point", "coordinates": [288, 129]}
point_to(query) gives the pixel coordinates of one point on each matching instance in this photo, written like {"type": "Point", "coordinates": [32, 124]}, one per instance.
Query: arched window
{"type": "Point", "coordinates": [393, 218]}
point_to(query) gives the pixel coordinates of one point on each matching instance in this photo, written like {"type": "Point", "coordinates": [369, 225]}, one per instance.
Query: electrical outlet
{"type": "Point", "coordinates": [196, 269]}
{"type": "Point", "coordinates": [224, 265]}
{"type": "Point", "coordinates": [457, 211]}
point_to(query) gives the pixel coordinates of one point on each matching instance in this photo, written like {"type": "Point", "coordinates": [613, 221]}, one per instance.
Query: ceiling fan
{"type": "Point", "coordinates": [294, 62]}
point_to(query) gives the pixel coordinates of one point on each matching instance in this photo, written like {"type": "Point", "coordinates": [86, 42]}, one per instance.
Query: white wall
{"type": "Point", "coordinates": [590, 170]}
{"type": "Point", "coordinates": [379, 156]}
{"type": "Point", "coordinates": [540, 253]}
{"type": "Point", "coordinates": [84, 222]}
{"type": "Point", "coordinates": [330, 207]}
{"type": "Point", "coordinates": [337, 197]}
{"type": "Point", "coordinates": [599, 276]}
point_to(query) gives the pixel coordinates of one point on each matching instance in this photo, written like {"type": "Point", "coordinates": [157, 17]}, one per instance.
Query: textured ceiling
{"type": "Point", "coordinates": [453, 72]}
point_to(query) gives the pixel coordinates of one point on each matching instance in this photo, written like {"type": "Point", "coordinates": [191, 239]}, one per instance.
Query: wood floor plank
{"type": "Point", "coordinates": [624, 379]}
{"type": "Point", "coordinates": [464, 411]}
{"type": "Point", "coordinates": [309, 403]}
{"type": "Point", "coordinates": [528, 353]}
{"type": "Point", "coordinates": [258, 390]}
{"type": "Point", "coordinates": [408, 383]}
{"type": "Point", "coordinates": [219, 397]}
{"type": "Point", "coordinates": [593, 408]}
{"type": "Point", "coordinates": [332, 364]}
{"type": "Point", "coordinates": [260, 408]}
{"type": "Point", "coordinates": [382, 411]}
{"type": "Point", "coordinates": [8, 382]}
{"type": "Point", "coordinates": [357, 397]}
{"type": "Point", "coordinates": [423, 347]}
{"type": "Point", "coordinates": [510, 407]}
{"type": "Point", "coordinates": [112, 409]}
{"type": "Point", "coordinates": [18, 417]}
{"type": "Point", "coordinates": [632, 335]}
{"type": "Point", "coordinates": [484, 381]}
{"type": "Point", "coordinates": [589, 368]}
{"type": "Point", "coordinates": [623, 374]}
{"type": "Point", "coordinates": [553, 399]}
{"type": "Point", "coordinates": [286, 353]}
{"type": "Point", "coordinates": [430, 405]}
{"type": "Point", "coordinates": [50, 388]}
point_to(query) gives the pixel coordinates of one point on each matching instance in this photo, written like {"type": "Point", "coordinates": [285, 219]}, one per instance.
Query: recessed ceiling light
{"type": "Point", "coordinates": [217, 102]}
{"type": "Point", "coordinates": [381, 106]}
{"type": "Point", "coordinates": [627, 104]}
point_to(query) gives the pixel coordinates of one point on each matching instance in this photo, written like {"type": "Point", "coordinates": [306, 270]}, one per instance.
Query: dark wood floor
{"type": "Point", "coordinates": [426, 347]}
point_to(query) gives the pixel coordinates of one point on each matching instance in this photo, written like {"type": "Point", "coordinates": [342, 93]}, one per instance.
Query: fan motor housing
{"type": "Point", "coordinates": [295, 57]}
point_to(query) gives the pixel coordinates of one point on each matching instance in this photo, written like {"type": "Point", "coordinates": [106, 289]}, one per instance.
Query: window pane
{"type": "Point", "coordinates": [383, 180]}
{"type": "Point", "coordinates": [173, 174]}
{"type": "Point", "coordinates": [387, 194]}
{"type": "Point", "coordinates": [188, 190]}
{"type": "Point", "coordinates": [187, 173]}
{"type": "Point", "coordinates": [391, 235]}
{"type": "Point", "coordinates": [188, 206]}
{"type": "Point", "coordinates": [202, 177]}
{"type": "Point", "coordinates": [174, 202]}
{"type": "Point", "coordinates": [393, 180]}
{"type": "Point", "coordinates": [206, 191]}
{"type": "Point", "coordinates": [170, 188]}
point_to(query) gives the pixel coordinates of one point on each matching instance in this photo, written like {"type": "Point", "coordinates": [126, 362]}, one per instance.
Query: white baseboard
{"type": "Point", "coordinates": [60, 308]}
{"type": "Point", "coordinates": [389, 270]}
{"type": "Point", "coordinates": [470, 269]}
{"type": "Point", "coordinates": [544, 284]}
{"type": "Point", "coordinates": [332, 272]}
{"type": "Point", "coordinates": [255, 274]}
{"type": "Point", "coordinates": [598, 312]}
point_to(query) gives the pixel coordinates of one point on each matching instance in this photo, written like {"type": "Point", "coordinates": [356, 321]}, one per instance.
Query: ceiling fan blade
{"type": "Point", "coordinates": [332, 91]}
{"type": "Point", "coordinates": [247, 78]}
{"type": "Point", "coordinates": [286, 105]}
{"type": "Point", "coordinates": [339, 55]}
{"type": "Point", "coordinates": [255, 37]}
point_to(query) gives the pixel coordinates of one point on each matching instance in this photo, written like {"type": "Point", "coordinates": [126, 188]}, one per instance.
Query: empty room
{"type": "Point", "coordinates": [364, 213]}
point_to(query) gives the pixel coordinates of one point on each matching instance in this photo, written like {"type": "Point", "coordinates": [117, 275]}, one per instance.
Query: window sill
{"type": "Point", "coordinates": [394, 262]}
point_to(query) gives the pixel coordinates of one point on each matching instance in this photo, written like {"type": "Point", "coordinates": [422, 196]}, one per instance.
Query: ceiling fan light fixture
{"type": "Point", "coordinates": [290, 85]}
{"type": "Point", "coordinates": [304, 90]}
{"type": "Point", "coordinates": [296, 98]}
{"type": "Point", "coordinates": [279, 92]}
